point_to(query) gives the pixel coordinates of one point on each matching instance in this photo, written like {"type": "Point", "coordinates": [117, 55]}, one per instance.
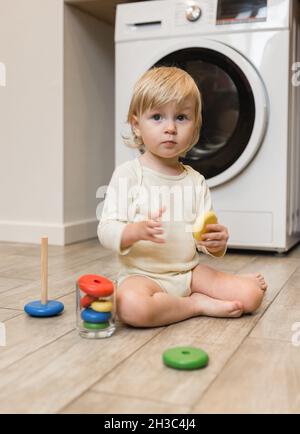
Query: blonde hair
{"type": "Point", "coordinates": [160, 86]}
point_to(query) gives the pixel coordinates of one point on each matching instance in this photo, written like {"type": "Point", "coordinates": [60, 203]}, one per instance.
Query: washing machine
{"type": "Point", "coordinates": [243, 56]}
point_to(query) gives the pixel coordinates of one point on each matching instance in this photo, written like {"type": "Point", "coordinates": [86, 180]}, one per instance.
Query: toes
{"type": "Point", "coordinates": [261, 281]}
{"type": "Point", "coordinates": [259, 276]}
{"type": "Point", "coordinates": [236, 313]}
{"type": "Point", "coordinates": [237, 309]}
{"type": "Point", "coordinates": [265, 287]}
{"type": "Point", "coordinates": [263, 284]}
{"type": "Point", "coordinates": [237, 306]}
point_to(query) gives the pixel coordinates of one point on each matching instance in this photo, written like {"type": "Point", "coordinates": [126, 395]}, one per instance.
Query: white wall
{"type": "Point", "coordinates": [31, 119]}
{"type": "Point", "coordinates": [46, 174]}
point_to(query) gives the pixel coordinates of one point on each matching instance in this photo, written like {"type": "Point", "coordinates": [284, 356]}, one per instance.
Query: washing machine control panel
{"type": "Point", "coordinates": [193, 12]}
{"type": "Point", "coordinates": [176, 18]}
{"type": "Point", "coordinates": [225, 11]}
{"type": "Point", "coordinates": [220, 12]}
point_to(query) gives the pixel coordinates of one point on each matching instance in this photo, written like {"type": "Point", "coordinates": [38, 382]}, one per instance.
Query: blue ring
{"type": "Point", "coordinates": [90, 315]}
{"type": "Point", "coordinates": [37, 309]}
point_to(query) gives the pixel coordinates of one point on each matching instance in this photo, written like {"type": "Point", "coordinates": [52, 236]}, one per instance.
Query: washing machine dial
{"type": "Point", "coordinates": [193, 12]}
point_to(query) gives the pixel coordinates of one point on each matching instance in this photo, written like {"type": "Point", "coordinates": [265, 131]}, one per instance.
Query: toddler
{"type": "Point", "coordinates": [151, 205]}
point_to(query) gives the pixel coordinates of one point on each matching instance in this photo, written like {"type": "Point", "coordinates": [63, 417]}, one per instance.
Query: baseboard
{"type": "Point", "coordinates": [80, 230]}
{"type": "Point", "coordinates": [58, 234]}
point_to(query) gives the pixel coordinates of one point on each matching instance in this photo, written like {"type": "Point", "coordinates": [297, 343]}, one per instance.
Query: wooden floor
{"type": "Point", "coordinates": [47, 368]}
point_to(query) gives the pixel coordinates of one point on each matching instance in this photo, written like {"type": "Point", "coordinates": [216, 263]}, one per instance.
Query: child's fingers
{"type": "Point", "coordinates": [156, 239]}
{"type": "Point", "coordinates": [213, 243]}
{"type": "Point", "coordinates": [154, 224]}
{"type": "Point", "coordinates": [157, 214]}
{"type": "Point", "coordinates": [211, 236]}
{"type": "Point", "coordinates": [213, 246]}
{"type": "Point", "coordinates": [159, 240]}
{"type": "Point", "coordinates": [155, 231]}
{"type": "Point", "coordinates": [213, 228]}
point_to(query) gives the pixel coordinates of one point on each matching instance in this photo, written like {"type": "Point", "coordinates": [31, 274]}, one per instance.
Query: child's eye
{"type": "Point", "coordinates": [181, 117]}
{"type": "Point", "coordinates": [156, 117]}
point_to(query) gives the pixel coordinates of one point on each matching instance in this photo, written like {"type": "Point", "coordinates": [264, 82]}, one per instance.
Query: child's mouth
{"type": "Point", "coordinates": [169, 143]}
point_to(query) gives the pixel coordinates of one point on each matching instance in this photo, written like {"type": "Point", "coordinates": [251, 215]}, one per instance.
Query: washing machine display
{"type": "Point", "coordinates": [228, 108]}
{"type": "Point", "coordinates": [241, 11]}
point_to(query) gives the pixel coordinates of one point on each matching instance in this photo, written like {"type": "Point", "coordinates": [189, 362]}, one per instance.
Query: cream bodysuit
{"type": "Point", "coordinates": [133, 192]}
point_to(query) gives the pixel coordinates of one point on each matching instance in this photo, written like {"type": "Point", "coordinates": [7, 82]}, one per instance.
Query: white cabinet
{"type": "Point", "coordinates": [104, 10]}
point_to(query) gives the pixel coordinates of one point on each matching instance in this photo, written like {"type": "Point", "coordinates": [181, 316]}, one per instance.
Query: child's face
{"type": "Point", "coordinates": [167, 131]}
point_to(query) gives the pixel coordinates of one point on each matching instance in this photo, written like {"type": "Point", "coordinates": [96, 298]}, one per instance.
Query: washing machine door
{"type": "Point", "coordinates": [234, 108]}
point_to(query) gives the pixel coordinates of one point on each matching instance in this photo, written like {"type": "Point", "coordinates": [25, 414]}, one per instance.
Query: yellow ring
{"type": "Point", "coordinates": [102, 306]}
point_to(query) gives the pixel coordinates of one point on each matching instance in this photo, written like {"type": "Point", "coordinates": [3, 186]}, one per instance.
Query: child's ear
{"type": "Point", "coordinates": [135, 125]}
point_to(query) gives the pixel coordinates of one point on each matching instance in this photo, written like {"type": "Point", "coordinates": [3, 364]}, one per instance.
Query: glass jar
{"type": "Point", "coordinates": [95, 306]}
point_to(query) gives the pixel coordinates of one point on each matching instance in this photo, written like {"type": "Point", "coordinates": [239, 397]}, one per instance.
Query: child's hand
{"type": "Point", "coordinates": [215, 238]}
{"type": "Point", "coordinates": [149, 230]}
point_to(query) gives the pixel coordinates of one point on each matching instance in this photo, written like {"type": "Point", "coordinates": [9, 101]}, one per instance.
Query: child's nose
{"type": "Point", "coordinates": [171, 127]}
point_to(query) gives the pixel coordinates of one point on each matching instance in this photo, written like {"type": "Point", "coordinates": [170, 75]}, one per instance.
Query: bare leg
{"type": "Point", "coordinates": [248, 289]}
{"type": "Point", "coordinates": [142, 303]}
{"type": "Point", "coordinates": [209, 306]}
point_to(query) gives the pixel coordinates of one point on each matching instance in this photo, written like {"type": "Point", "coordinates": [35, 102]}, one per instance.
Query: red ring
{"type": "Point", "coordinates": [87, 300]}
{"type": "Point", "coordinates": [95, 285]}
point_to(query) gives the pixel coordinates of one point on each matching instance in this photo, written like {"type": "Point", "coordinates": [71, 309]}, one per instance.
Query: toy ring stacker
{"type": "Point", "coordinates": [185, 358]}
{"type": "Point", "coordinates": [95, 285]}
{"type": "Point", "coordinates": [199, 228]}
{"type": "Point", "coordinates": [102, 306]}
{"type": "Point", "coordinates": [44, 308]}
{"type": "Point", "coordinates": [89, 315]}
{"type": "Point", "coordinates": [96, 326]}
{"type": "Point", "coordinates": [87, 300]}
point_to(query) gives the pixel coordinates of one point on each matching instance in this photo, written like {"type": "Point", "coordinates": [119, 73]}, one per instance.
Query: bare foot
{"type": "Point", "coordinates": [209, 306]}
{"type": "Point", "coordinates": [257, 278]}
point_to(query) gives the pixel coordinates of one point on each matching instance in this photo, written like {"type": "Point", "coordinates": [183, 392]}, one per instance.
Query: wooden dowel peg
{"type": "Point", "coordinates": [44, 307]}
{"type": "Point", "coordinates": [44, 270]}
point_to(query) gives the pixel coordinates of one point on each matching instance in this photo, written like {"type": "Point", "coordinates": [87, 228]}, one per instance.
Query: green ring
{"type": "Point", "coordinates": [98, 326]}
{"type": "Point", "coordinates": [185, 358]}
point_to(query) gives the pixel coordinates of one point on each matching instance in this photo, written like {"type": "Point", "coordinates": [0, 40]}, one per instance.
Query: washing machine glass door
{"type": "Point", "coordinates": [230, 110]}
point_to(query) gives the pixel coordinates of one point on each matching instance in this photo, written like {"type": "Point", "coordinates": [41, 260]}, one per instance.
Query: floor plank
{"type": "Point", "coordinates": [262, 377]}
{"type": "Point", "coordinates": [6, 314]}
{"type": "Point", "coordinates": [283, 318]}
{"type": "Point", "coordinates": [7, 284]}
{"type": "Point", "coordinates": [144, 376]}
{"type": "Point", "coordinates": [17, 297]}
{"type": "Point", "coordinates": [106, 403]}
{"type": "Point", "coordinates": [25, 335]}
{"type": "Point", "coordinates": [253, 364]}
{"type": "Point", "coordinates": [63, 370]}
{"type": "Point", "coordinates": [276, 271]}
{"type": "Point", "coordinates": [290, 295]}
{"type": "Point", "coordinates": [60, 284]}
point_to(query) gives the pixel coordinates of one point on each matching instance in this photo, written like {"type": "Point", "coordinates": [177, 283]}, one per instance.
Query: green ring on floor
{"type": "Point", "coordinates": [93, 326]}
{"type": "Point", "coordinates": [185, 358]}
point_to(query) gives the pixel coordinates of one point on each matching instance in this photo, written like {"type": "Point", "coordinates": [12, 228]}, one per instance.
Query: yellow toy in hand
{"type": "Point", "coordinates": [209, 218]}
